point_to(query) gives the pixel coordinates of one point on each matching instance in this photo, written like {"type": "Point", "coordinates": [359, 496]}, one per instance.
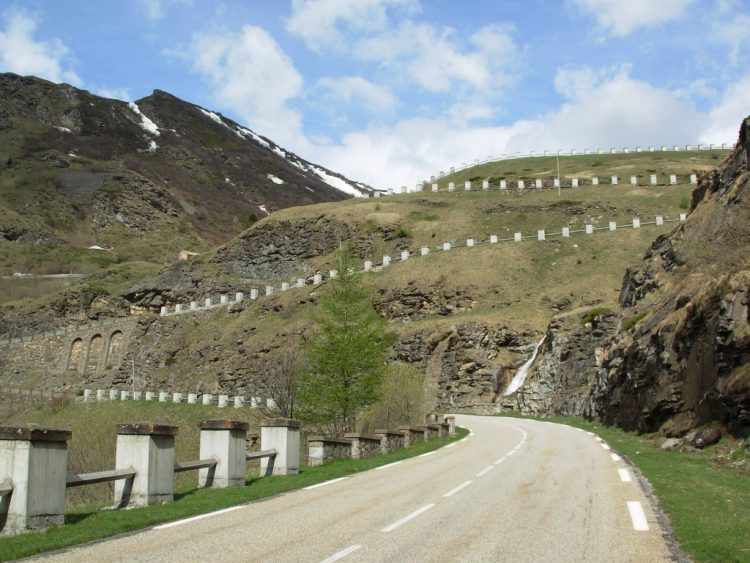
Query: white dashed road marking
{"type": "Point", "coordinates": [486, 470]}
{"type": "Point", "coordinates": [457, 489]}
{"type": "Point", "coordinates": [405, 519]}
{"type": "Point", "coordinates": [426, 454]}
{"type": "Point", "coordinates": [615, 457]}
{"type": "Point", "coordinates": [341, 554]}
{"type": "Point", "coordinates": [624, 475]}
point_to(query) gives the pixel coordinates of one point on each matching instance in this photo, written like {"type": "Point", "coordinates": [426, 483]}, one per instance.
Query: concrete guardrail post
{"type": "Point", "coordinates": [34, 460]}
{"type": "Point", "coordinates": [223, 440]}
{"type": "Point", "coordinates": [390, 440]}
{"type": "Point", "coordinates": [282, 435]}
{"type": "Point", "coordinates": [363, 445]}
{"type": "Point", "coordinates": [451, 420]}
{"type": "Point", "coordinates": [149, 449]}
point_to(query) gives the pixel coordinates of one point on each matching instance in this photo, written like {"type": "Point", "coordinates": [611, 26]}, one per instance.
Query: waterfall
{"type": "Point", "coordinates": [520, 375]}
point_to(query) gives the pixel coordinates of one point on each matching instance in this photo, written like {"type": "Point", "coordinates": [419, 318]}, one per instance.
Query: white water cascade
{"type": "Point", "coordinates": [520, 375]}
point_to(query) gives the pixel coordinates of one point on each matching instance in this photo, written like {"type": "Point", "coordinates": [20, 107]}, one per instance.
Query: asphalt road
{"type": "Point", "coordinates": [514, 490]}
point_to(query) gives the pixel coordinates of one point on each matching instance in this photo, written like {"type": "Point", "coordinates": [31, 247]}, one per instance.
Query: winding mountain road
{"type": "Point", "coordinates": [514, 490]}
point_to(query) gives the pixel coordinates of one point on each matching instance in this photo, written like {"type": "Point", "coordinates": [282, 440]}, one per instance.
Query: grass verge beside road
{"type": "Point", "coordinates": [707, 502]}
{"type": "Point", "coordinates": [95, 522]}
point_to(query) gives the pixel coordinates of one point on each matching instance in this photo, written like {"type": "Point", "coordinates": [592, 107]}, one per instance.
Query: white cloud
{"type": "Point", "coordinates": [725, 118]}
{"type": "Point", "coordinates": [577, 82]}
{"type": "Point", "coordinates": [408, 151]}
{"type": "Point", "coordinates": [732, 31]}
{"type": "Point", "coordinates": [253, 77]}
{"type": "Point", "coordinates": [623, 17]}
{"type": "Point", "coordinates": [318, 21]}
{"type": "Point", "coordinates": [432, 58]}
{"type": "Point", "coordinates": [618, 112]}
{"type": "Point", "coordinates": [355, 89]}
{"type": "Point", "coordinates": [114, 93]}
{"type": "Point", "coordinates": [612, 110]}
{"type": "Point", "coordinates": [21, 53]}
{"type": "Point", "coordinates": [156, 9]}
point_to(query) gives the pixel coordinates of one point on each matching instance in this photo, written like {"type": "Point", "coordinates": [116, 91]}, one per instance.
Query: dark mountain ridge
{"type": "Point", "coordinates": [83, 170]}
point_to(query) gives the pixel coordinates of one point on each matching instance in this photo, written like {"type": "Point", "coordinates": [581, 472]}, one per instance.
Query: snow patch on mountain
{"type": "Point", "coordinates": [336, 182]}
{"type": "Point", "coordinates": [146, 124]}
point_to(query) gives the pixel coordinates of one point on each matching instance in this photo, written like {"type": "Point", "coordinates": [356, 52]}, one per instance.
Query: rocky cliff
{"type": "Point", "coordinates": [678, 356]}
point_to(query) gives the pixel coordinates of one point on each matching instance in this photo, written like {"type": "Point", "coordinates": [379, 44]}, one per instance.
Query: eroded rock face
{"type": "Point", "coordinates": [414, 302]}
{"type": "Point", "coordinates": [565, 373]}
{"type": "Point", "coordinates": [281, 249]}
{"type": "Point", "coordinates": [687, 362]}
{"type": "Point", "coordinates": [469, 363]}
{"type": "Point", "coordinates": [684, 366]}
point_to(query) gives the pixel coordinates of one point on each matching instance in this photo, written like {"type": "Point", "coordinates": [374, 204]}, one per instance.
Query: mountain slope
{"type": "Point", "coordinates": [146, 178]}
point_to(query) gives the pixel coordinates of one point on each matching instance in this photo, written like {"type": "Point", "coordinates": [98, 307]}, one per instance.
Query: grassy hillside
{"type": "Point", "coordinates": [584, 167]}
{"type": "Point", "coordinates": [519, 285]}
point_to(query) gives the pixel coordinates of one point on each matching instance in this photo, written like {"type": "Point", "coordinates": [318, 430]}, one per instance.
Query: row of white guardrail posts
{"type": "Point", "coordinates": [537, 183]}
{"type": "Point", "coordinates": [541, 234]}
{"type": "Point", "coordinates": [33, 463]}
{"type": "Point", "coordinates": [588, 152]}
{"type": "Point", "coordinates": [222, 401]}
{"type": "Point", "coordinates": [355, 445]}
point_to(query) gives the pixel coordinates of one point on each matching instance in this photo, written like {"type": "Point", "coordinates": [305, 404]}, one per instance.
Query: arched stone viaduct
{"type": "Point", "coordinates": [90, 349]}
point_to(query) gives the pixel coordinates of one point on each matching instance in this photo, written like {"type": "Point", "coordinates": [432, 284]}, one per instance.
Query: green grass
{"type": "Point", "coordinates": [591, 314]}
{"type": "Point", "coordinates": [707, 502]}
{"type": "Point", "coordinates": [634, 320]}
{"type": "Point", "coordinates": [640, 164]}
{"type": "Point", "coordinates": [92, 523]}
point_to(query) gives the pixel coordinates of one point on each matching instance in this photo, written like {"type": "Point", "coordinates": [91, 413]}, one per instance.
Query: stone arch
{"type": "Point", "coordinates": [113, 349]}
{"type": "Point", "coordinates": [94, 355]}
{"type": "Point", "coordinates": [75, 355]}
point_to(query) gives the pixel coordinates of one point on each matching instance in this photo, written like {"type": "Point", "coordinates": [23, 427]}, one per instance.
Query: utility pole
{"type": "Point", "coordinates": [558, 172]}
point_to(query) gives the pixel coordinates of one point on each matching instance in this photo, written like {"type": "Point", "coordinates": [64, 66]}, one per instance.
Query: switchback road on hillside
{"type": "Point", "coordinates": [514, 490]}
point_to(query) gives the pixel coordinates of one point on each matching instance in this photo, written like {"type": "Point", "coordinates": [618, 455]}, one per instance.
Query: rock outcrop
{"type": "Point", "coordinates": [678, 357]}
{"type": "Point", "coordinates": [470, 364]}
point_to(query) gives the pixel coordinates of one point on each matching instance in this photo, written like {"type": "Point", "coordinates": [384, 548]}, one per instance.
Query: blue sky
{"type": "Point", "coordinates": [391, 92]}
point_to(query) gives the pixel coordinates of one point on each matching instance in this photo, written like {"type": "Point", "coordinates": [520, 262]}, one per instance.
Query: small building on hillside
{"type": "Point", "coordinates": [186, 255]}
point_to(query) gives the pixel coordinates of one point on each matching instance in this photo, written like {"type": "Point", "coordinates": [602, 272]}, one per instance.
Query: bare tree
{"type": "Point", "coordinates": [278, 372]}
